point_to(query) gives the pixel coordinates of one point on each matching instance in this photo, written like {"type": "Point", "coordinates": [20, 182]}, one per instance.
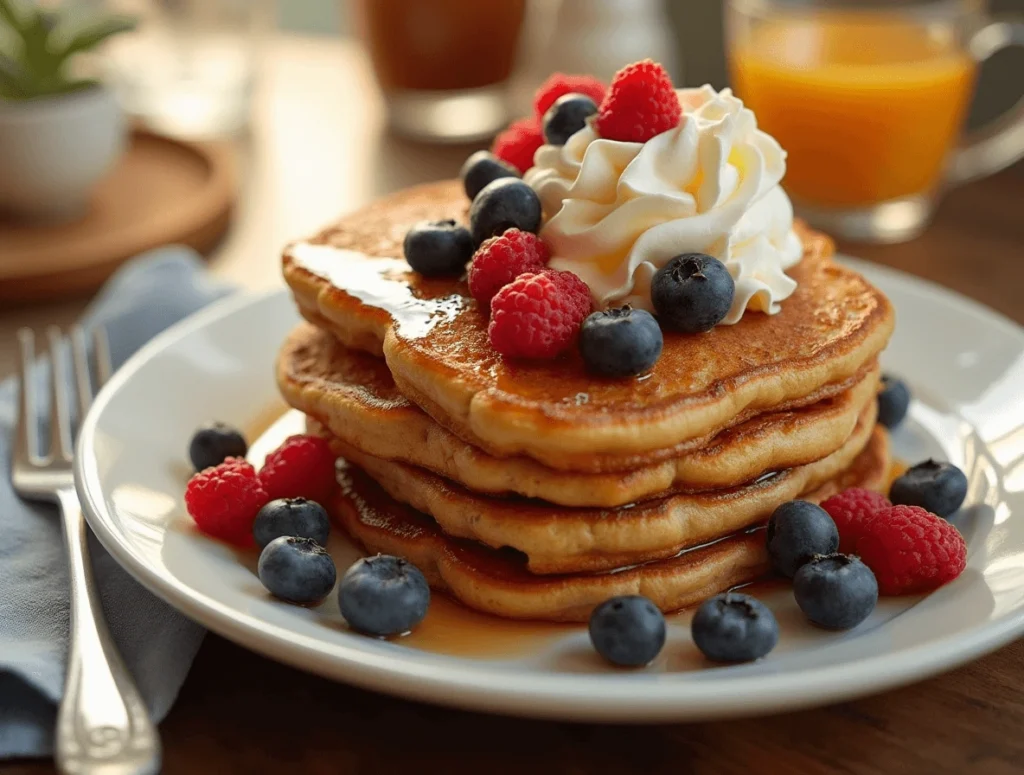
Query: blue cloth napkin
{"type": "Point", "coordinates": [158, 643]}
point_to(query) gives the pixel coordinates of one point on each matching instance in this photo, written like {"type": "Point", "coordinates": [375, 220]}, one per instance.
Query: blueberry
{"type": "Point", "coordinates": [438, 248]}
{"type": "Point", "coordinates": [298, 570]}
{"type": "Point", "coordinates": [212, 444]}
{"type": "Point", "coordinates": [936, 487]}
{"type": "Point", "coordinates": [567, 116]}
{"type": "Point", "coordinates": [692, 293]}
{"type": "Point", "coordinates": [734, 628]}
{"type": "Point", "coordinates": [481, 168]}
{"type": "Point", "coordinates": [628, 631]}
{"type": "Point", "coordinates": [835, 591]}
{"type": "Point", "coordinates": [383, 595]}
{"type": "Point", "coordinates": [620, 342]}
{"type": "Point", "coordinates": [797, 531]}
{"type": "Point", "coordinates": [298, 517]}
{"type": "Point", "coordinates": [503, 204]}
{"type": "Point", "coordinates": [893, 401]}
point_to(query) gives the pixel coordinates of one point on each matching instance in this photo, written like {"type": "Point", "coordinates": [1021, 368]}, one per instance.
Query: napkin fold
{"type": "Point", "coordinates": [158, 643]}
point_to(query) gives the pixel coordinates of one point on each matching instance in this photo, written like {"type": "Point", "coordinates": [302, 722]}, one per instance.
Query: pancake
{"type": "Point", "coordinates": [556, 539]}
{"type": "Point", "coordinates": [434, 338]}
{"type": "Point", "coordinates": [499, 583]}
{"type": "Point", "coordinates": [353, 395]}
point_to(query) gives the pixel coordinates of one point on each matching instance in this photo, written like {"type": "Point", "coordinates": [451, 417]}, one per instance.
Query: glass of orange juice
{"type": "Point", "coordinates": [869, 100]}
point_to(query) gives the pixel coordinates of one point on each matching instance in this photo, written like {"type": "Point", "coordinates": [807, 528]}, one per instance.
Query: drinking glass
{"type": "Point", "coordinates": [869, 99]}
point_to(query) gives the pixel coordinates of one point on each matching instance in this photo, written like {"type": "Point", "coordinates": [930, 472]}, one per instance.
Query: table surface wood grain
{"type": "Point", "coordinates": [241, 713]}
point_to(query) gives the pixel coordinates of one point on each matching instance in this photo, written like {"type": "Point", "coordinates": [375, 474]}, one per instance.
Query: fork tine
{"type": "Point", "coordinates": [80, 360]}
{"type": "Point", "coordinates": [60, 411]}
{"type": "Point", "coordinates": [26, 444]}
{"type": "Point", "coordinates": [101, 352]}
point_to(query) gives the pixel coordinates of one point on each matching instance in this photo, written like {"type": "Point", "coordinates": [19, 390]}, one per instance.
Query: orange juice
{"type": "Point", "coordinates": [868, 107]}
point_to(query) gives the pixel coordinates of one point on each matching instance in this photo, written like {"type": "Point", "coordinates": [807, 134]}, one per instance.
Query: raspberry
{"type": "Point", "coordinates": [224, 500]}
{"type": "Point", "coordinates": [500, 260]}
{"type": "Point", "coordinates": [911, 550]}
{"type": "Point", "coordinates": [302, 467]}
{"type": "Point", "coordinates": [640, 104]}
{"type": "Point", "coordinates": [850, 510]}
{"type": "Point", "coordinates": [538, 315]}
{"type": "Point", "coordinates": [560, 84]}
{"type": "Point", "coordinates": [519, 143]}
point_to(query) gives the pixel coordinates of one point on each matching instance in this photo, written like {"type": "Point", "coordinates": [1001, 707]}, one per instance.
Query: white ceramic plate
{"type": "Point", "coordinates": [965, 364]}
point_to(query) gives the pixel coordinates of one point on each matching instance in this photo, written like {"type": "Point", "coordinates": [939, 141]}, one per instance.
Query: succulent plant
{"type": "Point", "coordinates": [40, 44]}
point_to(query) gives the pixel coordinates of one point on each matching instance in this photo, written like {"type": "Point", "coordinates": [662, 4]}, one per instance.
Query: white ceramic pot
{"type": "Point", "coordinates": [54, 149]}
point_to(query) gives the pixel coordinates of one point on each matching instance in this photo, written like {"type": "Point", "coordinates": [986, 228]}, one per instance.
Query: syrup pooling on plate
{"type": "Point", "coordinates": [381, 283]}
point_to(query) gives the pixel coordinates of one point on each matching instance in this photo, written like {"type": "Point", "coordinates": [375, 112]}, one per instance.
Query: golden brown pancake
{"type": "Point", "coordinates": [434, 338]}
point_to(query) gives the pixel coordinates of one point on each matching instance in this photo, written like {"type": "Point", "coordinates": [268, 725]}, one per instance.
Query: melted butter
{"type": "Point", "coordinates": [382, 283]}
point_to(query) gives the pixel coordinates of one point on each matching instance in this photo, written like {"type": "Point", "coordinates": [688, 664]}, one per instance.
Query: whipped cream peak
{"type": "Point", "coordinates": [619, 211]}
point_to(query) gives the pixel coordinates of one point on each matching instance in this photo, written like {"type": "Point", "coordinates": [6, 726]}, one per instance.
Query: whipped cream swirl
{"type": "Point", "coordinates": [619, 211]}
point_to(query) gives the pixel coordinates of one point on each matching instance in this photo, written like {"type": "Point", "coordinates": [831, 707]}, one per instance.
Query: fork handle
{"type": "Point", "coordinates": [103, 727]}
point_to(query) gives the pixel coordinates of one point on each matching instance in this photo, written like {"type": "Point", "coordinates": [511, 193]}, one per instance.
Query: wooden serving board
{"type": "Point", "coordinates": [162, 191]}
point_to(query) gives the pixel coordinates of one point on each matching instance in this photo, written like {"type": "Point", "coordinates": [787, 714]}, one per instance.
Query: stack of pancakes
{"type": "Point", "coordinates": [533, 490]}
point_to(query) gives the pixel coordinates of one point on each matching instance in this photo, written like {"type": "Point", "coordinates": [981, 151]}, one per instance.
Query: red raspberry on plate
{"type": "Point", "coordinates": [519, 143]}
{"type": "Point", "coordinates": [224, 500]}
{"type": "Point", "coordinates": [302, 467]}
{"type": "Point", "coordinates": [640, 104]}
{"type": "Point", "coordinates": [559, 84]}
{"type": "Point", "coordinates": [850, 510]}
{"type": "Point", "coordinates": [911, 550]}
{"type": "Point", "coordinates": [500, 260]}
{"type": "Point", "coordinates": [538, 315]}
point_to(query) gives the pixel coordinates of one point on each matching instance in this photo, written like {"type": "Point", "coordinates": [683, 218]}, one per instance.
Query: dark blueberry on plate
{"type": "Point", "coordinates": [797, 531]}
{"type": "Point", "coordinates": [938, 487]}
{"type": "Point", "coordinates": [733, 627]}
{"type": "Point", "coordinates": [212, 444]}
{"type": "Point", "coordinates": [628, 631]}
{"type": "Point", "coordinates": [438, 248]}
{"type": "Point", "coordinates": [298, 570]}
{"type": "Point", "coordinates": [620, 342]}
{"type": "Point", "coordinates": [481, 168]}
{"type": "Point", "coordinates": [692, 293]}
{"type": "Point", "coordinates": [567, 116]}
{"type": "Point", "coordinates": [383, 595]}
{"type": "Point", "coordinates": [506, 203]}
{"type": "Point", "coordinates": [835, 591]}
{"type": "Point", "coordinates": [893, 401]}
{"type": "Point", "coordinates": [298, 517]}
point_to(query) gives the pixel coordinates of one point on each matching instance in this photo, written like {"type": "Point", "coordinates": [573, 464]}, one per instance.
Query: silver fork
{"type": "Point", "coordinates": [103, 727]}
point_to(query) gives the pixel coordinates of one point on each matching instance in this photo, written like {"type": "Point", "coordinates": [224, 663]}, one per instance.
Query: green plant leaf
{"type": "Point", "coordinates": [15, 81]}
{"type": "Point", "coordinates": [95, 33]}
{"type": "Point", "coordinates": [9, 15]}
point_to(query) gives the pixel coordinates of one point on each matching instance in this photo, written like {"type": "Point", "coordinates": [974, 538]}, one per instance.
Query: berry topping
{"type": "Point", "coordinates": [692, 293]}
{"type": "Point", "coordinates": [517, 144]}
{"type": "Point", "coordinates": [628, 631]}
{"type": "Point", "coordinates": [506, 203]}
{"type": "Point", "coordinates": [538, 315]}
{"type": "Point", "coordinates": [639, 105]}
{"type": "Point", "coordinates": [797, 531]}
{"type": "Point", "coordinates": [223, 500]}
{"type": "Point", "coordinates": [566, 117]}
{"type": "Point", "coordinates": [298, 570]}
{"type": "Point", "coordinates": [936, 487]}
{"type": "Point", "coordinates": [438, 248]}
{"type": "Point", "coordinates": [213, 444]}
{"type": "Point", "coordinates": [734, 628]}
{"type": "Point", "coordinates": [383, 595]}
{"type": "Point", "coordinates": [835, 591]}
{"type": "Point", "coordinates": [620, 342]}
{"type": "Point", "coordinates": [850, 510]}
{"type": "Point", "coordinates": [911, 550]}
{"type": "Point", "coordinates": [302, 467]}
{"type": "Point", "coordinates": [481, 168]}
{"type": "Point", "coordinates": [560, 84]}
{"type": "Point", "coordinates": [500, 260]}
{"type": "Point", "coordinates": [291, 517]}
{"type": "Point", "coordinates": [893, 401]}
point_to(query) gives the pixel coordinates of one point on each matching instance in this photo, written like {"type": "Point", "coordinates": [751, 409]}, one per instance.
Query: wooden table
{"type": "Point", "coordinates": [317, 149]}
